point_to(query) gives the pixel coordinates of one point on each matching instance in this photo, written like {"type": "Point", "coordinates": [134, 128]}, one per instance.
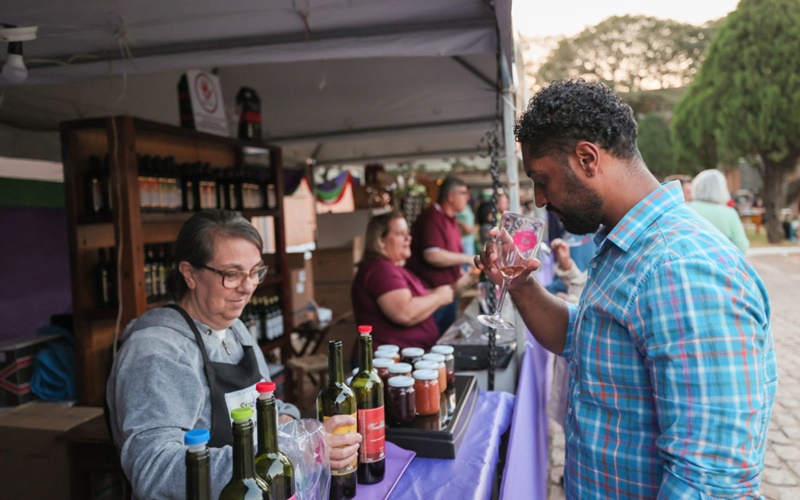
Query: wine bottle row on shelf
{"type": "Point", "coordinates": [157, 265]}
{"type": "Point", "coordinates": [263, 317]}
{"type": "Point", "coordinates": [167, 186]}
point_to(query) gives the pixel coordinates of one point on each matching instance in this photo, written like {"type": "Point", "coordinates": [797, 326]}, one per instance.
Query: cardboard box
{"type": "Point", "coordinates": [33, 459]}
{"type": "Point", "coordinates": [334, 296]}
{"type": "Point", "coordinates": [16, 368]}
{"type": "Point", "coordinates": [302, 284]}
{"type": "Point", "coordinates": [332, 265]}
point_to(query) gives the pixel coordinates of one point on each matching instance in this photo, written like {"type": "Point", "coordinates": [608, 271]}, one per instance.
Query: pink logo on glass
{"type": "Point", "coordinates": [525, 240]}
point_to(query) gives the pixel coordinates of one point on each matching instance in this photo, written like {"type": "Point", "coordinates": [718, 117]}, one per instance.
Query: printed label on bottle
{"type": "Point", "coordinates": [371, 425]}
{"type": "Point", "coordinates": [344, 429]}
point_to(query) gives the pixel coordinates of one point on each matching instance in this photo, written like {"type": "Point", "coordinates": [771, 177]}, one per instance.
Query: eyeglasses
{"type": "Point", "coordinates": [234, 279]}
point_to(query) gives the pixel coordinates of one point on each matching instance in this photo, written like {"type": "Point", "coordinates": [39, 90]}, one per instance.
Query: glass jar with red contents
{"type": "Point", "coordinates": [381, 365]}
{"type": "Point", "coordinates": [412, 354]}
{"type": "Point", "coordinates": [402, 403]}
{"type": "Point", "coordinates": [449, 361]}
{"type": "Point", "coordinates": [438, 360]}
{"type": "Point", "coordinates": [426, 386]}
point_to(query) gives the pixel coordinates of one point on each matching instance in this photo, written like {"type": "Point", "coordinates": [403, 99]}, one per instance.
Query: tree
{"type": "Point", "coordinates": [745, 99]}
{"type": "Point", "coordinates": [655, 145]}
{"type": "Point", "coordinates": [631, 53]}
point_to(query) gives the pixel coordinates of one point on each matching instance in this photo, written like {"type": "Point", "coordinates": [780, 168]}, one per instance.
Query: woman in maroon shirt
{"type": "Point", "coordinates": [389, 297]}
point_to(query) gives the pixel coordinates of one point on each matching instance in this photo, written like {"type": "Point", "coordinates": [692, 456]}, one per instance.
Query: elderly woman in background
{"type": "Point", "coordinates": [186, 365]}
{"type": "Point", "coordinates": [388, 296]}
{"type": "Point", "coordinates": [710, 197]}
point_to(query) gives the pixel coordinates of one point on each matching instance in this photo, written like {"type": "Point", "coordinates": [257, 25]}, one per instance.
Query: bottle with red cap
{"type": "Point", "coordinates": [271, 465]}
{"type": "Point", "coordinates": [368, 388]}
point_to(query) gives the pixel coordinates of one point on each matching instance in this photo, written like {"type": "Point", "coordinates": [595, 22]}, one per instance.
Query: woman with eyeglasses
{"type": "Point", "coordinates": [186, 365]}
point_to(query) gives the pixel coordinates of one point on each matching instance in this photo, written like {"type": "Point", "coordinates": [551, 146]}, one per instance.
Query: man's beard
{"type": "Point", "coordinates": [582, 215]}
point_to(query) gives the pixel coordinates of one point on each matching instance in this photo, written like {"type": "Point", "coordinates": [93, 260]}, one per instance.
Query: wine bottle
{"type": "Point", "coordinates": [245, 483]}
{"type": "Point", "coordinates": [338, 399]}
{"type": "Point", "coordinates": [368, 388]}
{"type": "Point", "coordinates": [198, 465]}
{"type": "Point", "coordinates": [271, 465]}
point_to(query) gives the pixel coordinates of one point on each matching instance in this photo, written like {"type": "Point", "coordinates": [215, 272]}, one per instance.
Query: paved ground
{"type": "Point", "coordinates": [779, 267]}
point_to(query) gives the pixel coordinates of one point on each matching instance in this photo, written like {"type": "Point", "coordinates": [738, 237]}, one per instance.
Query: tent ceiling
{"type": "Point", "coordinates": [339, 80]}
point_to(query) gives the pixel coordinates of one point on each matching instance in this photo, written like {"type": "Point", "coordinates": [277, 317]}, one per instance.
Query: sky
{"type": "Point", "coordinates": [539, 18]}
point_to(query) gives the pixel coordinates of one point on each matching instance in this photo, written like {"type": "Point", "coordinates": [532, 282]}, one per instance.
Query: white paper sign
{"type": "Point", "coordinates": [207, 106]}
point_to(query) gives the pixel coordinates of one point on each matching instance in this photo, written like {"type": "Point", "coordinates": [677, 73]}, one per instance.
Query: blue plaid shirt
{"type": "Point", "coordinates": [672, 367]}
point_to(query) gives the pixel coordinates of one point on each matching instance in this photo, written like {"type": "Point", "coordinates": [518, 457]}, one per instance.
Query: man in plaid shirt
{"type": "Point", "coordinates": [672, 367]}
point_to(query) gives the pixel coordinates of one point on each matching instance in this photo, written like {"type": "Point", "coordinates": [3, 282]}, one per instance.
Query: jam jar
{"type": "Point", "coordinates": [379, 354]}
{"type": "Point", "coordinates": [425, 365]}
{"type": "Point", "coordinates": [402, 403]}
{"type": "Point", "coordinates": [381, 366]}
{"type": "Point", "coordinates": [399, 369]}
{"type": "Point", "coordinates": [449, 361]}
{"type": "Point", "coordinates": [426, 385]}
{"type": "Point", "coordinates": [391, 349]}
{"type": "Point", "coordinates": [412, 354]}
{"type": "Point", "coordinates": [438, 359]}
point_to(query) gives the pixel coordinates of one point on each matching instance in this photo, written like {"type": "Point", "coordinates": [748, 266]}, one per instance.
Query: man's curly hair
{"type": "Point", "coordinates": [568, 111]}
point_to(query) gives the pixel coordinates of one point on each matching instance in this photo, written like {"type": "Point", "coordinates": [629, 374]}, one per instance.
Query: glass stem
{"type": "Point", "coordinates": [503, 290]}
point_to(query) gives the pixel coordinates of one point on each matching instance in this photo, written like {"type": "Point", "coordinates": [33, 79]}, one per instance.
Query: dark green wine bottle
{"type": "Point", "coordinates": [368, 388]}
{"type": "Point", "coordinates": [271, 465]}
{"type": "Point", "coordinates": [338, 399]}
{"type": "Point", "coordinates": [244, 483]}
{"type": "Point", "coordinates": [198, 461]}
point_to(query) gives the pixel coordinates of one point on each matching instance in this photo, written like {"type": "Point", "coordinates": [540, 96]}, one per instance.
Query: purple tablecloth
{"type": "Point", "coordinates": [525, 474]}
{"type": "Point", "coordinates": [470, 474]}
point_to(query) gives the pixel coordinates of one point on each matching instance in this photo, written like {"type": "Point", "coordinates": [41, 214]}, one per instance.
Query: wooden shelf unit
{"type": "Point", "coordinates": [128, 229]}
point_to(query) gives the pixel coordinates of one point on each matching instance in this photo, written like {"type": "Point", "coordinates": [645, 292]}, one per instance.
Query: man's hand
{"type": "Point", "coordinates": [487, 262]}
{"type": "Point", "coordinates": [343, 447]}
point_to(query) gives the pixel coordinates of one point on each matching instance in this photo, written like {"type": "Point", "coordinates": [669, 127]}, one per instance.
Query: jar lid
{"type": "Point", "coordinates": [425, 365]}
{"type": "Point", "coordinates": [388, 347]}
{"type": "Point", "coordinates": [426, 375]}
{"type": "Point", "coordinates": [432, 356]}
{"type": "Point", "coordinates": [382, 362]}
{"type": "Point", "coordinates": [386, 354]}
{"type": "Point", "coordinates": [202, 436]}
{"type": "Point", "coordinates": [401, 381]}
{"type": "Point", "coordinates": [443, 349]}
{"type": "Point", "coordinates": [413, 352]}
{"type": "Point", "coordinates": [399, 368]}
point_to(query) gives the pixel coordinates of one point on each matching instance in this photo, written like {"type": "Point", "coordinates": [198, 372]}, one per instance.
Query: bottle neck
{"type": "Point", "coordinates": [243, 457]}
{"type": "Point", "coordinates": [267, 424]}
{"type": "Point", "coordinates": [335, 369]}
{"type": "Point", "coordinates": [365, 352]}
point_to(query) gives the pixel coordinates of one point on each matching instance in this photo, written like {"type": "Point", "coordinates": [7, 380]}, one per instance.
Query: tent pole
{"type": "Point", "coordinates": [509, 117]}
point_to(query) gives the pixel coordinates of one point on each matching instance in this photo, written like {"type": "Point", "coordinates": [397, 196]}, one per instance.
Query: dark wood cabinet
{"type": "Point", "coordinates": [104, 211]}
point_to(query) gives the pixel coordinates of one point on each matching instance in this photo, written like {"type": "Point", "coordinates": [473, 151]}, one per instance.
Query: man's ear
{"type": "Point", "coordinates": [187, 271]}
{"type": "Point", "coordinates": [588, 154]}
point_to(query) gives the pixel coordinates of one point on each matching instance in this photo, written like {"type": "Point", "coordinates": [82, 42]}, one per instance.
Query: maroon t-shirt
{"type": "Point", "coordinates": [434, 229]}
{"type": "Point", "coordinates": [374, 278]}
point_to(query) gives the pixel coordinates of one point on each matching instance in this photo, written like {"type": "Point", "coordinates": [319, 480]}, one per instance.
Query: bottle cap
{"type": "Point", "coordinates": [382, 362]}
{"type": "Point", "coordinates": [401, 382]}
{"type": "Point", "coordinates": [386, 354]}
{"type": "Point", "coordinates": [399, 368]}
{"type": "Point", "coordinates": [241, 414]}
{"type": "Point", "coordinates": [435, 357]}
{"type": "Point", "coordinates": [265, 387]}
{"type": "Point", "coordinates": [443, 349]}
{"type": "Point", "coordinates": [413, 352]}
{"type": "Point", "coordinates": [388, 347]}
{"type": "Point", "coordinates": [425, 375]}
{"type": "Point", "coordinates": [364, 329]}
{"type": "Point", "coordinates": [425, 365]}
{"type": "Point", "coordinates": [196, 436]}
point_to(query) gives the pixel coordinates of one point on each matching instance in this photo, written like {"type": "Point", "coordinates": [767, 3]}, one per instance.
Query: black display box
{"type": "Point", "coordinates": [439, 436]}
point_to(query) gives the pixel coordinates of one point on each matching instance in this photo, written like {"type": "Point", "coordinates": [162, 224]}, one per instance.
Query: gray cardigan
{"type": "Point", "coordinates": [157, 391]}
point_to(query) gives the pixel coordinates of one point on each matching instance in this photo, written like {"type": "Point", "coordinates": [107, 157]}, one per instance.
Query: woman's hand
{"type": "Point", "coordinates": [445, 293]}
{"type": "Point", "coordinates": [466, 281]}
{"type": "Point", "coordinates": [561, 254]}
{"type": "Point", "coordinates": [343, 447]}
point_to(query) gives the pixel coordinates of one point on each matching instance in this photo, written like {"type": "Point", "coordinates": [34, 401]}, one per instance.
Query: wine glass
{"type": "Point", "coordinates": [516, 242]}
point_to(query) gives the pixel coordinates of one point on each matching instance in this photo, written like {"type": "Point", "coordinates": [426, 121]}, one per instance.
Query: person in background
{"type": "Point", "coordinates": [186, 365]}
{"type": "Point", "coordinates": [672, 364]}
{"type": "Point", "coordinates": [437, 252]}
{"type": "Point", "coordinates": [710, 199]}
{"type": "Point", "coordinates": [466, 224]}
{"type": "Point", "coordinates": [388, 296]}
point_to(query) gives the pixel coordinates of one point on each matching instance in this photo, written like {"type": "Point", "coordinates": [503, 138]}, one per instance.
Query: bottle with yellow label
{"type": "Point", "coordinates": [338, 399]}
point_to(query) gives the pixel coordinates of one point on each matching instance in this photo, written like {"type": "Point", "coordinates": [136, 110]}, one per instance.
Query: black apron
{"type": "Point", "coordinates": [223, 378]}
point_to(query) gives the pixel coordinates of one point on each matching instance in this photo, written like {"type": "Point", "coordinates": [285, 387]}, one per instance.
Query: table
{"type": "Point", "coordinates": [471, 473]}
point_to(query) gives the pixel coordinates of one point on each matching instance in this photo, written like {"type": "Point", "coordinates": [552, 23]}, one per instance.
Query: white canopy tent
{"type": "Point", "coordinates": [340, 81]}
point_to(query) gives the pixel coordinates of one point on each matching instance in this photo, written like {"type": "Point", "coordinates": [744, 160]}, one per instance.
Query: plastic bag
{"type": "Point", "coordinates": [303, 441]}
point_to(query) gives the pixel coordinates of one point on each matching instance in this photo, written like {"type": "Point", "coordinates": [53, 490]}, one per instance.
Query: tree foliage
{"type": "Point", "coordinates": [631, 53]}
{"type": "Point", "coordinates": [744, 102]}
{"type": "Point", "coordinates": [655, 145]}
